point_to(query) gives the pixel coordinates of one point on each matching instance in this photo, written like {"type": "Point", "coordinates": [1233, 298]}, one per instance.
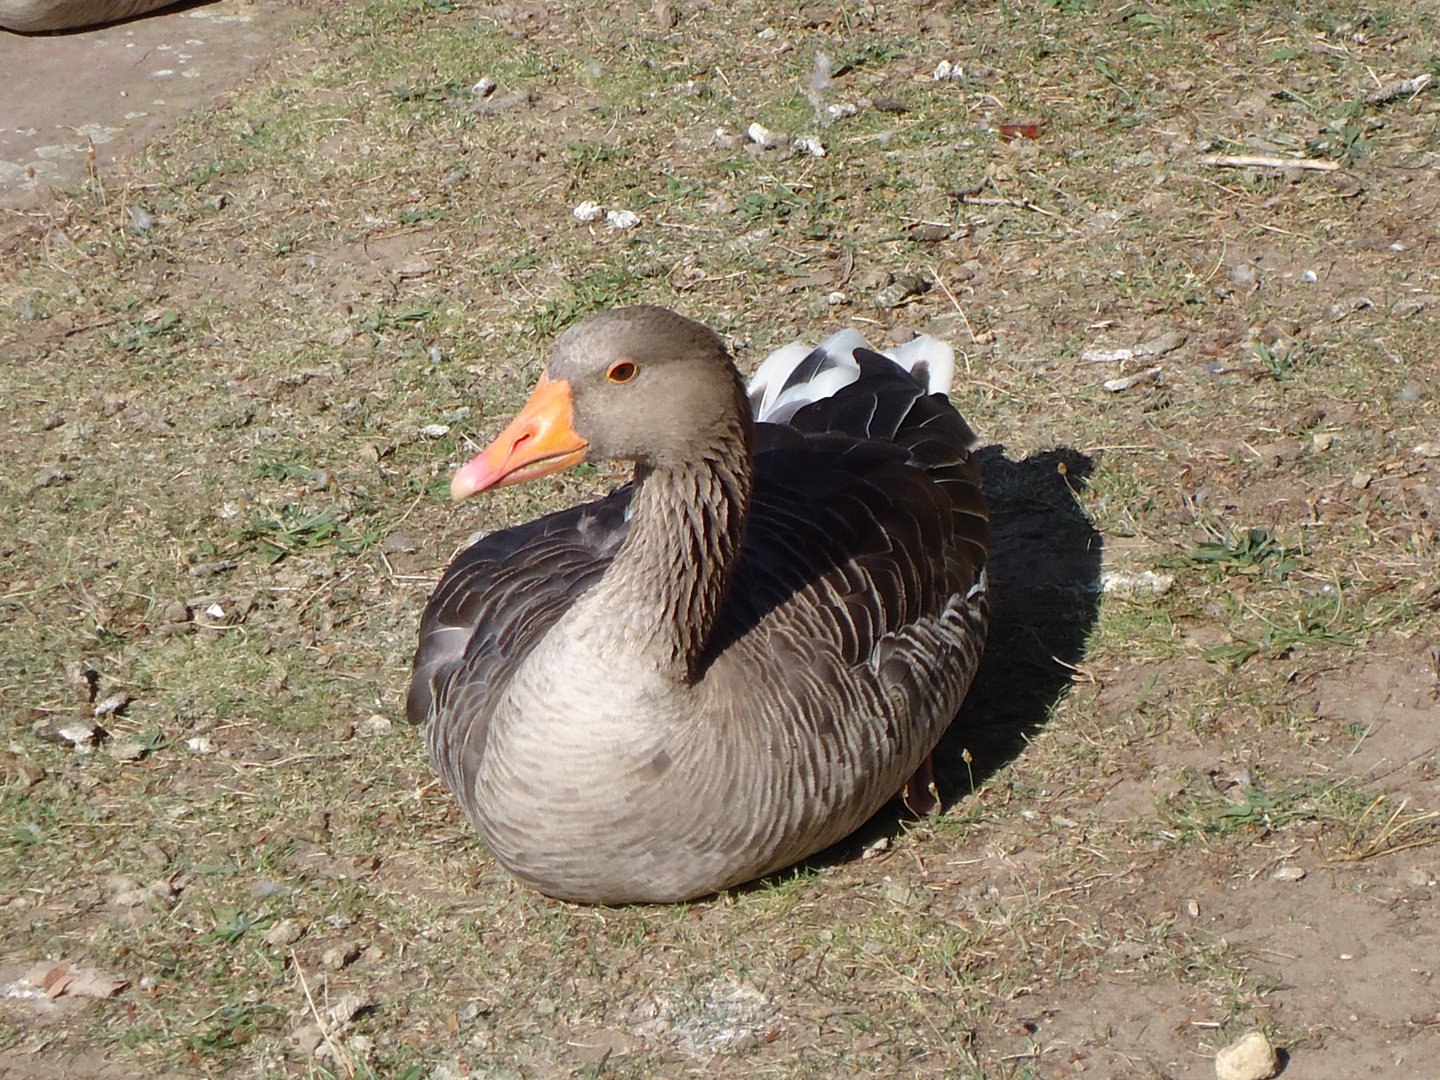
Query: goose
{"type": "Point", "coordinates": [733, 661]}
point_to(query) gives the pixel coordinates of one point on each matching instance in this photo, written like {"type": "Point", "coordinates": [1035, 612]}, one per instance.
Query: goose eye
{"type": "Point", "coordinates": [622, 371]}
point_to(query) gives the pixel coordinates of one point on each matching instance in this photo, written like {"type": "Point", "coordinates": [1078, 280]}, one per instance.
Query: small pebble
{"type": "Point", "coordinates": [1288, 873]}
{"type": "Point", "coordinates": [374, 725]}
{"type": "Point", "coordinates": [621, 219]}
{"type": "Point", "coordinates": [1251, 1057]}
{"type": "Point", "coordinates": [588, 211]}
{"type": "Point", "coordinates": [285, 932]}
{"type": "Point", "coordinates": [339, 956]}
{"type": "Point", "coordinates": [200, 744]}
{"type": "Point", "coordinates": [435, 431]}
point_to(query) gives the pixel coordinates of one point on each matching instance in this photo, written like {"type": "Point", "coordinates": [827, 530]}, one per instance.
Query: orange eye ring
{"type": "Point", "coordinates": [622, 371]}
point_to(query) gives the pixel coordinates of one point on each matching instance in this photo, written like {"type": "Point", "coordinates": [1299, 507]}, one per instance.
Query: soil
{"type": "Point", "coordinates": [135, 78]}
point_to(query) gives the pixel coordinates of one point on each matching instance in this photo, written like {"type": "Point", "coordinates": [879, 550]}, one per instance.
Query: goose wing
{"type": "Point", "coordinates": [494, 604]}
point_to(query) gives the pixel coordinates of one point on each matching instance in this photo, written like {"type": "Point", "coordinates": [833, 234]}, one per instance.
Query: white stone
{"type": "Point", "coordinates": [588, 211]}
{"type": "Point", "coordinates": [622, 219]}
{"type": "Point", "coordinates": [1251, 1057]}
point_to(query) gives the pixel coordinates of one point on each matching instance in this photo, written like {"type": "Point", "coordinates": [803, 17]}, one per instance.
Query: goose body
{"type": "Point", "coordinates": [735, 660]}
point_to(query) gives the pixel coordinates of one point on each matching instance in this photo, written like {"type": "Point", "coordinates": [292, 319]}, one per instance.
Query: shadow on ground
{"type": "Point", "coordinates": [1044, 598]}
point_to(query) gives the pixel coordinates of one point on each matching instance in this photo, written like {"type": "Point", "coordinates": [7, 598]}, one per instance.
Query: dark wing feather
{"type": "Point", "coordinates": [867, 516]}
{"type": "Point", "coordinates": [494, 604]}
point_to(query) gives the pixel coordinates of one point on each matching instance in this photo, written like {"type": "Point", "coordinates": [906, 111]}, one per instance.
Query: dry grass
{"type": "Point", "coordinates": [226, 410]}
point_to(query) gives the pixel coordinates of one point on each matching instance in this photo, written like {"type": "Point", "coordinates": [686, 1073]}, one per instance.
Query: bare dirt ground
{"type": "Point", "coordinates": [1196, 789]}
{"type": "Point", "coordinates": [119, 87]}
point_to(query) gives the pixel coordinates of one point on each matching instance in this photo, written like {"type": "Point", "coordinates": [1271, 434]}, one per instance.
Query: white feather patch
{"type": "Point", "coordinates": [796, 375]}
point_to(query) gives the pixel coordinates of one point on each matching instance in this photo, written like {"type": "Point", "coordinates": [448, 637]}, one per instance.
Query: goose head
{"type": "Point", "coordinates": [639, 384]}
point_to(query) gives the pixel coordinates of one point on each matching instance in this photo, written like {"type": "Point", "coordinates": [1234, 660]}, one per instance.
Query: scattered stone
{"type": "Point", "coordinates": [128, 749]}
{"type": "Point", "coordinates": [1348, 306]}
{"type": "Point", "coordinates": [1322, 441]}
{"type": "Point", "coordinates": [53, 421]}
{"type": "Point", "coordinates": [763, 137]}
{"type": "Point", "coordinates": [929, 232]}
{"type": "Point", "coordinates": [898, 893]}
{"type": "Point", "coordinates": [878, 848]}
{"type": "Point", "coordinates": [835, 299]}
{"type": "Point", "coordinates": [1135, 583]}
{"type": "Point", "coordinates": [902, 287]}
{"type": "Point", "coordinates": [20, 770]}
{"type": "Point", "coordinates": [1288, 873]}
{"type": "Point", "coordinates": [1412, 392]}
{"type": "Point", "coordinates": [435, 431]}
{"type": "Point", "coordinates": [587, 212]}
{"type": "Point", "coordinates": [664, 15]}
{"type": "Point", "coordinates": [50, 477]}
{"type": "Point", "coordinates": [1411, 305]}
{"type": "Point", "coordinates": [621, 219]}
{"type": "Point", "coordinates": [1398, 89]}
{"type": "Point", "coordinates": [887, 104]}
{"type": "Point", "coordinates": [1361, 480]}
{"type": "Point", "coordinates": [839, 110]}
{"type": "Point", "coordinates": [373, 725]}
{"type": "Point", "coordinates": [1251, 1057]}
{"type": "Point", "coordinates": [1140, 378]}
{"type": "Point", "coordinates": [1244, 275]}
{"type": "Point", "coordinates": [266, 888]}
{"type": "Point", "coordinates": [115, 703]}
{"type": "Point", "coordinates": [200, 744]}
{"type": "Point", "coordinates": [1165, 343]}
{"type": "Point", "coordinates": [1426, 450]}
{"type": "Point", "coordinates": [811, 145]}
{"type": "Point", "coordinates": [946, 70]}
{"type": "Point", "coordinates": [339, 956]}
{"type": "Point", "coordinates": [1420, 878]}
{"type": "Point", "coordinates": [285, 932]}
{"type": "Point", "coordinates": [176, 611]}
{"type": "Point", "coordinates": [484, 87]}
{"type": "Point", "coordinates": [141, 221]}
{"type": "Point", "coordinates": [82, 735]}
{"type": "Point", "coordinates": [493, 106]}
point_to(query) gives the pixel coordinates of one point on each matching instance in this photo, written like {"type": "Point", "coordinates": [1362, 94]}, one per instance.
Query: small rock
{"type": "Point", "coordinates": [1347, 306]}
{"type": "Point", "coordinates": [339, 956]}
{"type": "Point", "coordinates": [115, 703]}
{"type": "Point", "coordinates": [887, 104]}
{"type": "Point", "coordinates": [49, 477]}
{"type": "Point", "coordinates": [505, 103]}
{"type": "Point", "coordinates": [176, 611]}
{"type": "Point", "coordinates": [375, 724]}
{"type": "Point", "coordinates": [1288, 873]}
{"type": "Point", "coordinates": [1243, 275]}
{"type": "Point", "coordinates": [1419, 877]}
{"type": "Point", "coordinates": [588, 211]}
{"type": "Point", "coordinates": [664, 15]}
{"type": "Point", "coordinates": [319, 480]}
{"type": "Point", "coordinates": [128, 749]}
{"type": "Point", "coordinates": [1251, 1057]}
{"type": "Point", "coordinates": [285, 932]}
{"type": "Point", "coordinates": [898, 893]}
{"type": "Point", "coordinates": [200, 744]}
{"type": "Point", "coordinates": [621, 219]}
{"type": "Point", "coordinates": [945, 70]}
{"type": "Point", "coordinates": [878, 848]}
{"type": "Point", "coordinates": [1361, 480]}
{"type": "Point", "coordinates": [435, 431]}
{"type": "Point", "coordinates": [763, 136]}
{"type": "Point", "coordinates": [902, 287]}
{"type": "Point", "coordinates": [1135, 583]}
{"type": "Point", "coordinates": [1412, 392]}
{"type": "Point", "coordinates": [835, 299]}
{"type": "Point", "coordinates": [53, 421]}
{"type": "Point", "coordinates": [484, 87]}
{"type": "Point", "coordinates": [840, 110]}
{"type": "Point", "coordinates": [1322, 441]}
{"type": "Point", "coordinates": [307, 1040]}
{"type": "Point", "coordinates": [1140, 378]}
{"type": "Point", "coordinates": [141, 219]}
{"type": "Point", "coordinates": [83, 735]}
{"type": "Point", "coordinates": [265, 888]}
{"type": "Point", "coordinates": [810, 144]}
{"type": "Point", "coordinates": [1426, 449]}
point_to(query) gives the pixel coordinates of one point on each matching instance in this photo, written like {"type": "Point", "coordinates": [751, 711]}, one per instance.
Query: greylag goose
{"type": "Point", "coordinates": [733, 661]}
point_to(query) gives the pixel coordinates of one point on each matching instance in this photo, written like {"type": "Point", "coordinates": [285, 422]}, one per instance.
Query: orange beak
{"type": "Point", "coordinates": [538, 442]}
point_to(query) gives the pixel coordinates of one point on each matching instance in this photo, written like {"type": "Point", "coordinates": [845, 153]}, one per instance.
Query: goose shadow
{"type": "Point", "coordinates": [1044, 571]}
